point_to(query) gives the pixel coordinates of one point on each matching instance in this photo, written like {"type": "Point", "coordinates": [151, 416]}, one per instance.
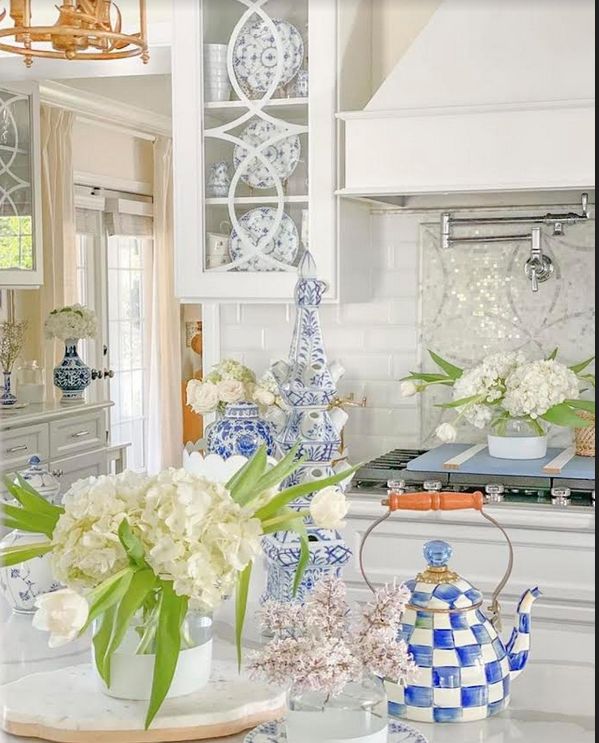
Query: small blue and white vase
{"type": "Point", "coordinates": [72, 376]}
{"type": "Point", "coordinates": [7, 399]}
{"type": "Point", "coordinates": [240, 431]}
{"type": "Point", "coordinates": [22, 584]}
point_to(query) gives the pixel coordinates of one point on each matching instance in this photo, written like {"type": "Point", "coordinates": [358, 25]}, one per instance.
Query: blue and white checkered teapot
{"type": "Point", "coordinates": [464, 669]}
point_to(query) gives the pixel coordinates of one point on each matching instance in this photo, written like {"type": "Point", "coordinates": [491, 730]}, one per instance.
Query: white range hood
{"type": "Point", "coordinates": [492, 96]}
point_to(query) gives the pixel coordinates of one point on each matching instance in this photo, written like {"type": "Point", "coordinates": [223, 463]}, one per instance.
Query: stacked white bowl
{"type": "Point", "coordinates": [217, 86]}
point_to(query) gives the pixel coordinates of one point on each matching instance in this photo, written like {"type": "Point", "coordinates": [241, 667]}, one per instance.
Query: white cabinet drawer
{"type": "Point", "coordinates": [72, 469]}
{"type": "Point", "coordinates": [18, 445]}
{"type": "Point", "coordinates": [78, 434]}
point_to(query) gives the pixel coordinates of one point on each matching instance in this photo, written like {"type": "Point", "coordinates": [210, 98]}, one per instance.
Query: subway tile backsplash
{"type": "Point", "coordinates": [419, 301]}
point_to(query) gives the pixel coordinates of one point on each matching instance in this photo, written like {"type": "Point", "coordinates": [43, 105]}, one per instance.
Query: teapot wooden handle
{"type": "Point", "coordinates": [434, 501]}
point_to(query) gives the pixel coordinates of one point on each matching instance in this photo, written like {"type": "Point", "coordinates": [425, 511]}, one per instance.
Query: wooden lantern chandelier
{"type": "Point", "coordinates": [84, 29]}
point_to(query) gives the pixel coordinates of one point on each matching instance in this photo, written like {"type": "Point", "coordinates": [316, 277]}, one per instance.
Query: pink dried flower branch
{"type": "Point", "coordinates": [316, 647]}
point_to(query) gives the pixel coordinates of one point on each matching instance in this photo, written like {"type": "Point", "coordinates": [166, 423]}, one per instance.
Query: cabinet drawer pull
{"type": "Point", "coordinates": [80, 434]}
{"type": "Point", "coordinates": [22, 447]}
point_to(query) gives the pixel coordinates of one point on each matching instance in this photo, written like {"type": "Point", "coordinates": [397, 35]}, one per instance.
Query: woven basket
{"type": "Point", "coordinates": [585, 437]}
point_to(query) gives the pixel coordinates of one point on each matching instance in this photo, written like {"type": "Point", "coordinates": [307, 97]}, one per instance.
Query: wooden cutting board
{"type": "Point", "coordinates": [68, 706]}
{"type": "Point", "coordinates": [578, 468]}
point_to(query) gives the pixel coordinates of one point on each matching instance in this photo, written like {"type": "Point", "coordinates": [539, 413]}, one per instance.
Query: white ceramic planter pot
{"type": "Point", "coordinates": [131, 674]}
{"type": "Point", "coordinates": [517, 447]}
{"type": "Point", "coordinates": [22, 584]}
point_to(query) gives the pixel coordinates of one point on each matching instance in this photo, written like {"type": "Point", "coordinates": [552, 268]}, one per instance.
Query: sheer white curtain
{"type": "Point", "coordinates": [165, 416]}
{"type": "Point", "coordinates": [58, 222]}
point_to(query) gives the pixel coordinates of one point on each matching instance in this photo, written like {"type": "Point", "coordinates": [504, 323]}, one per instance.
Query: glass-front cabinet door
{"type": "Point", "coordinates": [20, 213]}
{"type": "Point", "coordinates": [255, 146]}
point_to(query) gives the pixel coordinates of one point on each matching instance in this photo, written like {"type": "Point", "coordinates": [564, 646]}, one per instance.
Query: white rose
{"type": "Point", "coordinates": [202, 397]}
{"type": "Point", "coordinates": [264, 397]}
{"type": "Point", "coordinates": [328, 508]}
{"type": "Point", "coordinates": [447, 433]}
{"type": "Point", "coordinates": [63, 614]}
{"type": "Point", "coordinates": [408, 389]}
{"type": "Point", "coordinates": [231, 390]}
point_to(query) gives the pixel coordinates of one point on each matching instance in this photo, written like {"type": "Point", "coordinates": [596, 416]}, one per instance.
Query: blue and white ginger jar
{"type": "Point", "coordinates": [240, 431]}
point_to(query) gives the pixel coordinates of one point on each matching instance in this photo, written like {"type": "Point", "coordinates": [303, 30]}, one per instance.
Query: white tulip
{"type": "Point", "coordinates": [202, 397]}
{"type": "Point", "coordinates": [328, 508]}
{"type": "Point", "coordinates": [231, 390]}
{"type": "Point", "coordinates": [264, 397]}
{"type": "Point", "coordinates": [408, 389]}
{"type": "Point", "coordinates": [447, 433]}
{"type": "Point", "coordinates": [63, 614]}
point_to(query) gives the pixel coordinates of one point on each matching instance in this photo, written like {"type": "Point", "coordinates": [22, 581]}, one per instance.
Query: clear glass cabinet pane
{"type": "Point", "coordinates": [256, 106]}
{"type": "Point", "coordinates": [16, 191]}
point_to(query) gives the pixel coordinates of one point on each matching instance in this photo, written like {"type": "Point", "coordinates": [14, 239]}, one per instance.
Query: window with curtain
{"type": "Point", "coordinates": [114, 275]}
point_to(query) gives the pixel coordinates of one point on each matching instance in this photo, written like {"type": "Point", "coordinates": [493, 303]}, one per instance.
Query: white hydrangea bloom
{"type": "Point", "coordinates": [72, 322]}
{"type": "Point", "coordinates": [535, 387]}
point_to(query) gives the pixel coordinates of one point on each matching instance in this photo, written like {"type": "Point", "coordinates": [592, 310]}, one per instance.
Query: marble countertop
{"type": "Point", "coordinates": [553, 701]}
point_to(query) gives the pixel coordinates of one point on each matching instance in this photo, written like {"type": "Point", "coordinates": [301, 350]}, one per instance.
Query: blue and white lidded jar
{"type": "Point", "coordinates": [240, 431]}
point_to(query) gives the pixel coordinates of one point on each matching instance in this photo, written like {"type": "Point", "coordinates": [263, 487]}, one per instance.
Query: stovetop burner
{"type": "Point", "coordinates": [374, 477]}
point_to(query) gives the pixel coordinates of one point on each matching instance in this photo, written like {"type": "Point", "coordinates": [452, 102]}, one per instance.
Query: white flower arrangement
{"type": "Point", "coordinates": [230, 382]}
{"type": "Point", "coordinates": [72, 322]}
{"type": "Point", "coordinates": [508, 386]}
{"type": "Point", "coordinates": [320, 647]}
{"type": "Point", "coordinates": [127, 543]}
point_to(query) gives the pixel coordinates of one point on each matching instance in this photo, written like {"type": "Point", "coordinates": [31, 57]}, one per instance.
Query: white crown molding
{"type": "Point", "coordinates": [106, 111]}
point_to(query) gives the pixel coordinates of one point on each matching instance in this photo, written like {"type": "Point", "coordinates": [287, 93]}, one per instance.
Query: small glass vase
{"type": "Point", "coordinates": [132, 665]}
{"type": "Point", "coordinates": [7, 399]}
{"type": "Point", "coordinates": [358, 714]}
{"type": "Point", "coordinates": [72, 376]}
{"type": "Point", "coordinates": [518, 438]}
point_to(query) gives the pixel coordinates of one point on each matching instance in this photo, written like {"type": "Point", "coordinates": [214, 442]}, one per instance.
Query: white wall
{"type": "Point", "coordinates": [377, 342]}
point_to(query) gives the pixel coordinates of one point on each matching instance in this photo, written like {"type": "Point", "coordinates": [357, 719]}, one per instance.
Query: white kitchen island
{"type": "Point", "coordinates": [553, 701]}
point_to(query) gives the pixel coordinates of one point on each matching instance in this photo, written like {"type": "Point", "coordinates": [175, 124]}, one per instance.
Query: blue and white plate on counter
{"type": "Point", "coordinates": [274, 732]}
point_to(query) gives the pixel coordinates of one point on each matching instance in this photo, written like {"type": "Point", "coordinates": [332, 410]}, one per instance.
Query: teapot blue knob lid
{"type": "Point", "coordinates": [34, 461]}
{"type": "Point", "coordinates": [438, 553]}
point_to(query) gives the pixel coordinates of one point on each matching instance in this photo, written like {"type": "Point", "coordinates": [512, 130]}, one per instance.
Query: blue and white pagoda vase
{"type": "Point", "coordinates": [240, 431]}
{"type": "Point", "coordinates": [307, 385]}
{"type": "Point", "coordinates": [72, 376]}
{"type": "Point", "coordinates": [464, 669]}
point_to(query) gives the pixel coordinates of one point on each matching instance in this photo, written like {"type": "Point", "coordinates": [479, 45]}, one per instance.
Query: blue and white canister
{"type": "Point", "coordinates": [240, 431]}
{"type": "Point", "coordinates": [72, 376]}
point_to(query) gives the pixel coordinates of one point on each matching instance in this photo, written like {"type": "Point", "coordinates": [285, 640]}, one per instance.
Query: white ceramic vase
{"type": "Point", "coordinates": [131, 674]}
{"type": "Point", "coordinates": [517, 447]}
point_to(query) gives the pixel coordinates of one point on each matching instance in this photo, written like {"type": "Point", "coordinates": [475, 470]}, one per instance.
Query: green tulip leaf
{"type": "Point", "coordinates": [16, 555]}
{"type": "Point", "coordinates": [563, 415]}
{"type": "Point", "coordinates": [101, 641]}
{"type": "Point", "coordinates": [452, 371]}
{"type": "Point", "coordinates": [241, 603]}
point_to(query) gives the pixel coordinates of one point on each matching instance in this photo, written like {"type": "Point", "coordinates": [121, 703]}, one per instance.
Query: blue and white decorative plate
{"type": "Point", "coordinates": [257, 224]}
{"type": "Point", "coordinates": [283, 155]}
{"type": "Point", "coordinates": [256, 56]}
{"type": "Point", "coordinates": [274, 732]}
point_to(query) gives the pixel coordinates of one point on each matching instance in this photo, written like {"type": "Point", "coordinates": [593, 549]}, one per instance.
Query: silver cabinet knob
{"type": "Point", "coordinates": [561, 496]}
{"type": "Point", "coordinates": [494, 493]}
{"type": "Point", "coordinates": [396, 486]}
{"type": "Point", "coordinates": [433, 486]}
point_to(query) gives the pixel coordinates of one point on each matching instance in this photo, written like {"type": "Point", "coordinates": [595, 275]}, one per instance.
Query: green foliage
{"type": "Point", "coordinates": [564, 415]}
{"type": "Point", "coordinates": [17, 555]}
{"type": "Point", "coordinates": [101, 642]}
{"type": "Point", "coordinates": [579, 368]}
{"type": "Point", "coordinates": [168, 645]}
{"type": "Point", "coordinates": [241, 602]}
{"type": "Point", "coordinates": [34, 514]}
{"type": "Point", "coordinates": [132, 545]}
{"type": "Point", "coordinates": [452, 371]}
{"type": "Point", "coordinates": [463, 401]}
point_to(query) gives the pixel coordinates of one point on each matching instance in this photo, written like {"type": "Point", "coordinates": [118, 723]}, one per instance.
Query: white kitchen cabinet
{"type": "Point", "coordinates": [207, 131]}
{"type": "Point", "coordinates": [72, 441]}
{"type": "Point", "coordinates": [21, 262]}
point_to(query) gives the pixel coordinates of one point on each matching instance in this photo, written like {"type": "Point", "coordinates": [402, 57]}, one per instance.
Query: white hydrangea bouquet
{"type": "Point", "coordinates": [230, 382]}
{"type": "Point", "coordinates": [71, 323]}
{"type": "Point", "coordinates": [507, 386]}
{"type": "Point", "coordinates": [160, 546]}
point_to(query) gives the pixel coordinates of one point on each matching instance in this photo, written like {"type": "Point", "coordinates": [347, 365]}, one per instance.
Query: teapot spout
{"type": "Point", "coordinates": [518, 647]}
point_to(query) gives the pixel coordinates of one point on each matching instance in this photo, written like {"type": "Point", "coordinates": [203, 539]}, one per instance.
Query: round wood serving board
{"type": "Point", "coordinates": [68, 706]}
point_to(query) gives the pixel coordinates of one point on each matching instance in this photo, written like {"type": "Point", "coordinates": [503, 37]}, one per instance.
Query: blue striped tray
{"type": "Point", "coordinates": [578, 468]}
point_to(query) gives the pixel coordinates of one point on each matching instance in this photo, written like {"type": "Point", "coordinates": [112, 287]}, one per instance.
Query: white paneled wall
{"type": "Point", "coordinates": [377, 341]}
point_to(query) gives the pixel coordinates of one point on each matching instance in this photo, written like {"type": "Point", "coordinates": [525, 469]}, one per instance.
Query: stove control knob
{"type": "Point", "coordinates": [396, 486]}
{"type": "Point", "coordinates": [593, 499]}
{"type": "Point", "coordinates": [495, 493]}
{"type": "Point", "coordinates": [433, 486]}
{"type": "Point", "coordinates": [561, 496]}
